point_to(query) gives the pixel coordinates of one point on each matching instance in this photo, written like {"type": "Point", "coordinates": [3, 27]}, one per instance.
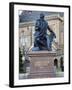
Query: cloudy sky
{"type": "Point", "coordinates": [25, 15]}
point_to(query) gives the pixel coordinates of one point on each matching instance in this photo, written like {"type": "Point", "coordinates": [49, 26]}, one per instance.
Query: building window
{"type": "Point", "coordinates": [61, 64]}
{"type": "Point", "coordinates": [56, 63]}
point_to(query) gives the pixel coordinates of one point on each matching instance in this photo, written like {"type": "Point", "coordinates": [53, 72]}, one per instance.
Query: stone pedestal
{"type": "Point", "coordinates": [42, 64]}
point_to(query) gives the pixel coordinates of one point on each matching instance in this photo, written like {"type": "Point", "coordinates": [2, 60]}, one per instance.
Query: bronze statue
{"type": "Point", "coordinates": [43, 41]}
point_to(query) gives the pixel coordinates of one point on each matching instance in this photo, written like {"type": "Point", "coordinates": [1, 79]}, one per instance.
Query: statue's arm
{"type": "Point", "coordinates": [37, 25]}
{"type": "Point", "coordinates": [51, 31]}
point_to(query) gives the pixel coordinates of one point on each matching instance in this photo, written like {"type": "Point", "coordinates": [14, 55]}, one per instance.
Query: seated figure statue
{"type": "Point", "coordinates": [42, 41]}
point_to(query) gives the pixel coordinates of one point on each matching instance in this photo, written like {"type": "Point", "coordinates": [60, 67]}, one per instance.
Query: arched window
{"type": "Point", "coordinates": [56, 63]}
{"type": "Point", "coordinates": [61, 64]}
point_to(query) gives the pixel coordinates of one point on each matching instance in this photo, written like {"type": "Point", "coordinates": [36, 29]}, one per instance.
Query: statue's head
{"type": "Point", "coordinates": [42, 16]}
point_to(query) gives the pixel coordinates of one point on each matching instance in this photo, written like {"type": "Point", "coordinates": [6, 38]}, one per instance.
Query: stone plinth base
{"type": "Point", "coordinates": [42, 64]}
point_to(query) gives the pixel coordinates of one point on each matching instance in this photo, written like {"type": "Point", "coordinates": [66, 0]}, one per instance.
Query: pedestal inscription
{"type": "Point", "coordinates": [42, 64]}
